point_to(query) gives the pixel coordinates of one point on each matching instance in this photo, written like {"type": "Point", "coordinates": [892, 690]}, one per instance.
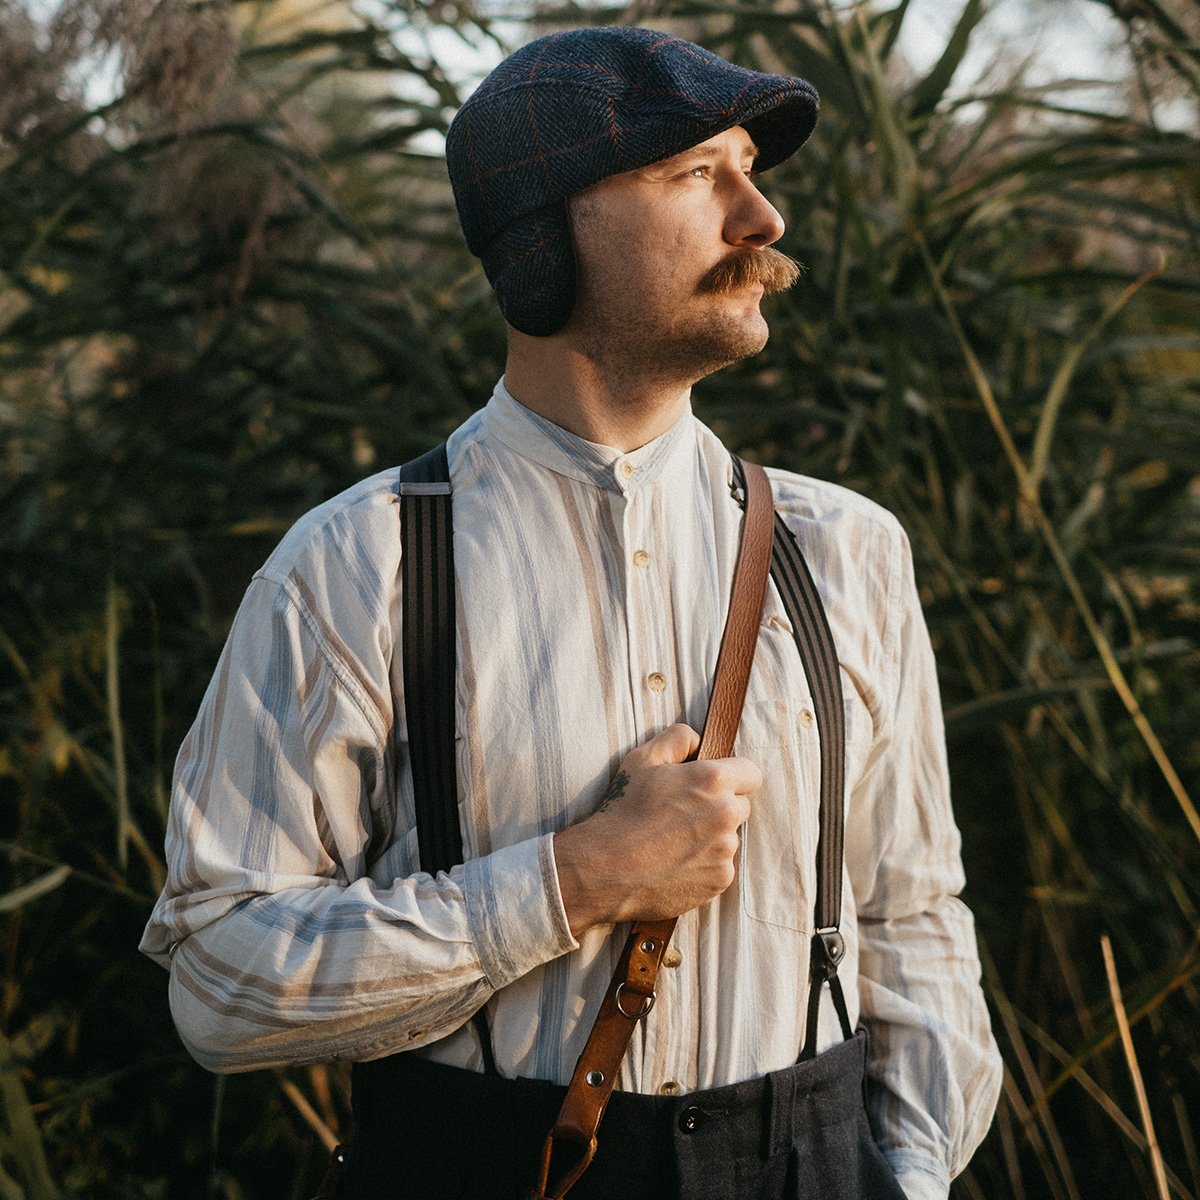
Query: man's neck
{"type": "Point", "coordinates": [624, 410]}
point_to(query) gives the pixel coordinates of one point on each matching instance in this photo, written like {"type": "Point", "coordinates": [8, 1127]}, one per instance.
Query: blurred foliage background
{"type": "Point", "coordinates": [231, 283]}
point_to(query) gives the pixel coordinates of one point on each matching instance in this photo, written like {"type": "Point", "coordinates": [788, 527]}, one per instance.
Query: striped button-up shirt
{"type": "Point", "coordinates": [592, 591]}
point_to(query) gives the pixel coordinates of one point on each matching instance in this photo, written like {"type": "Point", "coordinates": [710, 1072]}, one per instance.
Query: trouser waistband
{"type": "Point", "coordinates": [433, 1131]}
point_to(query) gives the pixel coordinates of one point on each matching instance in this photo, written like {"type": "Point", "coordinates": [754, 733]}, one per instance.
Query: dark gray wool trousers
{"type": "Point", "coordinates": [430, 1132]}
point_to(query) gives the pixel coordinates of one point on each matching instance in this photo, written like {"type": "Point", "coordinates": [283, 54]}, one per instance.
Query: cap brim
{"type": "Point", "coordinates": [780, 126]}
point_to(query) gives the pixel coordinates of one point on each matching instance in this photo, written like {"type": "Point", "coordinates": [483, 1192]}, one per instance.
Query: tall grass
{"type": "Point", "coordinates": [231, 283]}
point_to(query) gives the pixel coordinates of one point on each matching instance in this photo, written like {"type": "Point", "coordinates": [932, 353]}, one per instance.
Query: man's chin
{"type": "Point", "coordinates": [685, 350]}
{"type": "Point", "coordinates": [744, 332]}
{"type": "Point", "coordinates": [728, 343]}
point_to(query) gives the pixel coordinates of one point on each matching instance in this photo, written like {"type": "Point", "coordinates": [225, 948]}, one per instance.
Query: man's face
{"type": "Point", "coordinates": [652, 246]}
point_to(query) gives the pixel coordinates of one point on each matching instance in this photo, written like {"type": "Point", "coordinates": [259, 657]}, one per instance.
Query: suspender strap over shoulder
{"type": "Point", "coordinates": [428, 612]}
{"type": "Point", "coordinates": [429, 648]}
{"type": "Point", "coordinates": [814, 639]}
{"type": "Point", "coordinates": [428, 633]}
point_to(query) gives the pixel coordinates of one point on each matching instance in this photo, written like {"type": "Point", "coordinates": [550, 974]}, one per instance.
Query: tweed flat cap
{"type": "Point", "coordinates": [573, 108]}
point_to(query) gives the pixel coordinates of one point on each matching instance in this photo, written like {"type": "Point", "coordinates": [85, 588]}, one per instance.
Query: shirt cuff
{"type": "Point", "coordinates": [515, 910]}
{"type": "Point", "coordinates": [920, 1178]}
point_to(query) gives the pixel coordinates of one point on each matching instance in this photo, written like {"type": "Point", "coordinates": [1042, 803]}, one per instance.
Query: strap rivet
{"type": "Point", "coordinates": [594, 1078]}
{"type": "Point", "coordinates": [649, 947]}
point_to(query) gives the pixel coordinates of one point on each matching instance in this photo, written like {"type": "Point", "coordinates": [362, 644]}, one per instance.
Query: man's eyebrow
{"type": "Point", "coordinates": [704, 150]}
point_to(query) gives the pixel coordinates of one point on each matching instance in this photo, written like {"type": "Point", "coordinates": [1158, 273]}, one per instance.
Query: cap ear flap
{"type": "Point", "coordinates": [531, 267]}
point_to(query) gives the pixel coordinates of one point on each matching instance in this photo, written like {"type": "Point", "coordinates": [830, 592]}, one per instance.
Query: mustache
{"type": "Point", "coordinates": [768, 266]}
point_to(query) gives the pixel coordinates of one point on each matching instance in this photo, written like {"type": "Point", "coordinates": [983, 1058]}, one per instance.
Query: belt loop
{"type": "Point", "coordinates": [778, 1128]}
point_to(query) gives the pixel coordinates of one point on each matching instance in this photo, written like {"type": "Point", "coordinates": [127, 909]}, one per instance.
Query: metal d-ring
{"type": "Point", "coordinates": [646, 1007]}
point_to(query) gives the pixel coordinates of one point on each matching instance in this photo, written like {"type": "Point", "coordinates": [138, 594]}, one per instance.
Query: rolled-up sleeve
{"type": "Point", "coordinates": [933, 1070]}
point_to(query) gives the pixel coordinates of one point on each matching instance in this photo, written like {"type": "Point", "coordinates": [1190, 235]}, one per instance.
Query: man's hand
{"type": "Point", "coordinates": [664, 838]}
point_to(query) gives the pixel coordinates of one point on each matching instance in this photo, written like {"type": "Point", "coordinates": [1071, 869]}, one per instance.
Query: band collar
{"type": "Point", "coordinates": [535, 438]}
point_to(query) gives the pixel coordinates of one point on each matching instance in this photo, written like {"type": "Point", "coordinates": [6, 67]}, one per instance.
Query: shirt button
{"type": "Point", "coordinates": [641, 558]}
{"type": "Point", "coordinates": [806, 718]}
{"type": "Point", "coordinates": [670, 1088]}
{"type": "Point", "coordinates": [672, 958]}
{"type": "Point", "coordinates": [626, 470]}
{"type": "Point", "coordinates": [657, 681]}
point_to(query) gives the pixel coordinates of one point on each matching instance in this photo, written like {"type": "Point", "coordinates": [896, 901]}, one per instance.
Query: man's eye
{"type": "Point", "coordinates": [697, 172]}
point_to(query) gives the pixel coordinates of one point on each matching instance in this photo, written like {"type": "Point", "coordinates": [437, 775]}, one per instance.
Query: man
{"type": "Point", "coordinates": [606, 179]}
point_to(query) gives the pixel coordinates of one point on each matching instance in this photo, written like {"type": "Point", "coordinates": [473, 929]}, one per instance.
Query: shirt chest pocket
{"type": "Point", "coordinates": [778, 865]}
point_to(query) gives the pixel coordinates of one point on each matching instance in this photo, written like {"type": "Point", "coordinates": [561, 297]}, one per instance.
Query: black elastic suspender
{"type": "Point", "coordinates": [814, 639]}
{"type": "Point", "coordinates": [428, 626]}
{"type": "Point", "coordinates": [428, 646]}
{"type": "Point", "coordinates": [428, 643]}
{"type": "Point", "coordinates": [818, 656]}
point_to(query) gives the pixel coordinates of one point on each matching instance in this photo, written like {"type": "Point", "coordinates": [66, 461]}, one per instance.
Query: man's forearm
{"type": "Point", "coordinates": [357, 971]}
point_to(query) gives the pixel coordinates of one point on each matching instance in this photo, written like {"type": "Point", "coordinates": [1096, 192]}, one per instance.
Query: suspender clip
{"type": "Point", "coordinates": [829, 948]}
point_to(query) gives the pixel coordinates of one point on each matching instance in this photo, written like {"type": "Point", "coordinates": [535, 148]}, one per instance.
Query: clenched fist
{"type": "Point", "coordinates": [664, 838]}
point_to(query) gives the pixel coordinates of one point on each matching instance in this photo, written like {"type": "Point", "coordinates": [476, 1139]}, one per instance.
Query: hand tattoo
{"type": "Point", "coordinates": [616, 788]}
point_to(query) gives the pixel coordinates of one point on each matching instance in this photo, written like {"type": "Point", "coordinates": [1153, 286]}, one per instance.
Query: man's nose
{"type": "Point", "coordinates": [752, 220]}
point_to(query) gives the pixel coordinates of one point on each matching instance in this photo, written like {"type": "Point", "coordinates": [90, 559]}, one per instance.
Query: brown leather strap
{"type": "Point", "coordinates": [571, 1144]}
{"type": "Point", "coordinates": [745, 615]}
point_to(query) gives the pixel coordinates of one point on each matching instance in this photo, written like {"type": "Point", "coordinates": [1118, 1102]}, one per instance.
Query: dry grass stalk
{"type": "Point", "coordinates": [1139, 1087]}
{"type": "Point", "coordinates": [310, 1114]}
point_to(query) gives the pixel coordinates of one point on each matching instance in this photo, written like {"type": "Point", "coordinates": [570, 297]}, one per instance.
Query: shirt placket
{"type": "Point", "coordinates": [655, 695]}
